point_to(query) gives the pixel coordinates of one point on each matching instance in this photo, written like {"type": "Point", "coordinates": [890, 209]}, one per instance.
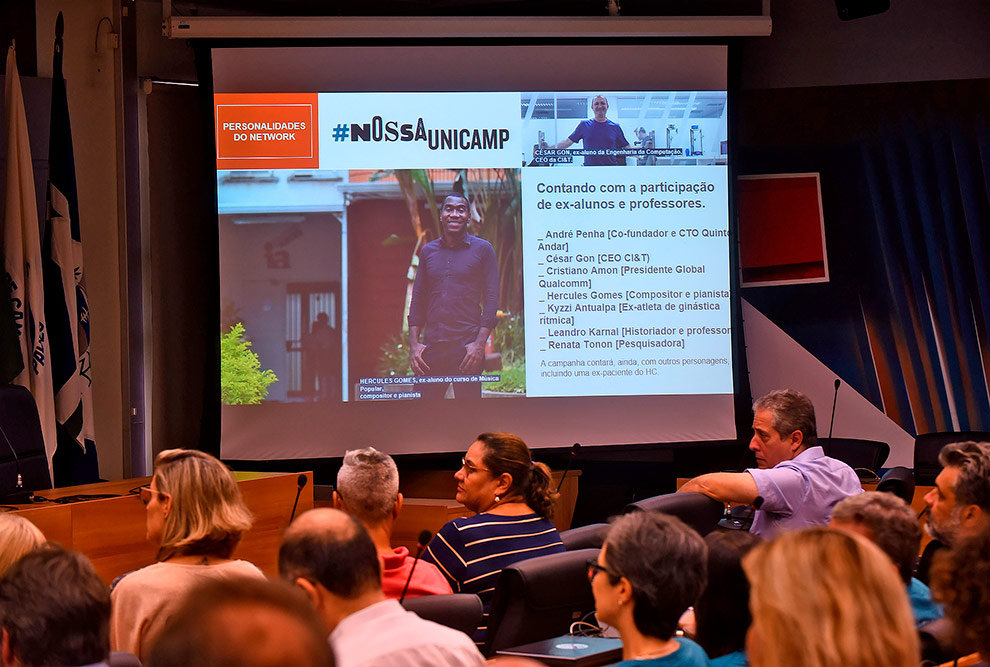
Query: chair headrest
{"type": "Point", "coordinates": [554, 580]}
{"type": "Point", "coordinates": [899, 481]}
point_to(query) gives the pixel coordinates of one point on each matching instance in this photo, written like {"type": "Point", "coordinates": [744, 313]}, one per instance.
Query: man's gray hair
{"type": "Point", "coordinates": [891, 523]}
{"type": "Point", "coordinates": [791, 411]}
{"type": "Point", "coordinates": [973, 461]}
{"type": "Point", "coordinates": [368, 482]}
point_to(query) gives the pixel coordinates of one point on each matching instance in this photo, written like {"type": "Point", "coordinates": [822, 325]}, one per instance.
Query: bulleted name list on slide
{"type": "Point", "coordinates": [626, 277]}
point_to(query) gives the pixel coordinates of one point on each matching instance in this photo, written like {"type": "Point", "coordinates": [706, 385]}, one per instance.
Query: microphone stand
{"type": "Point", "coordinates": [835, 399]}
{"type": "Point", "coordinates": [424, 539]}
{"type": "Point", "coordinates": [20, 495]}
{"type": "Point", "coordinates": [567, 468]}
{"type": "Point", "coordinates": [300, 483]}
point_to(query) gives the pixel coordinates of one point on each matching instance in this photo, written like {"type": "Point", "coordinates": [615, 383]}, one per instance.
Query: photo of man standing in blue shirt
{"type": "Point", "coordinates": [454, 304]}
{"type": "Point", "coordinates": [598, 133]}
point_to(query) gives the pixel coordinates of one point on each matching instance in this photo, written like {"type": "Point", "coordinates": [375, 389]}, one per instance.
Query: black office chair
{"type": "Point", "coordinates": [899, 481]}
{"type": "Point", "coordinates": [585, 537]}
{"type": "Point", "coordinates": [461, 611]}
{"type": "Point", "coordinates": [123, 659]}
{"type": "Point", "coordinates": [539, 598]}
{"type": "Point", "coordinates": [938, 641]}
{"type": "Point", "coordinates": [928, 445]}
{"type": "Point", "coordinates": [856, 452]}
{"type": "Point", "coordinates": [695, 509]}
{"type": "Point", "coordinates": [22, 430]}
{"type": "Point", "coordinates": [923, 569]}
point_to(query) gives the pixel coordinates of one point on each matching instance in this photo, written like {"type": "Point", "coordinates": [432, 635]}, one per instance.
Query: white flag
{"type": "Point", "coordinates": [22, 257]}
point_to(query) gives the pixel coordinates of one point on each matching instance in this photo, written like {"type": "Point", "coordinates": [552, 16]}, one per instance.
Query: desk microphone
{"type": "Point", "coordinates": [20, 495]}
{"type": "Point", "coordinates": [835, 398]}
{"type": "Point", "coordinates": [300, 483]}
{"type": "Point", "coordinates": [421, 542]}
{"type": "Point", "coordinates": [567, 468]}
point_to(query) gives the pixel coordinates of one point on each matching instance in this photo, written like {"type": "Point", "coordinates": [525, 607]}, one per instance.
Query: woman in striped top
{"type": "Point", "coordinates": [514, 503]}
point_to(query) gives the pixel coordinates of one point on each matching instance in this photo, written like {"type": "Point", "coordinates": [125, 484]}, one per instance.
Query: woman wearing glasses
{"type": "Point", "coordinates": [651, 568]}
{"type": "Point", "coordinates": [196, 516]}
{"type": "Point", "coordinates": [513, 501]}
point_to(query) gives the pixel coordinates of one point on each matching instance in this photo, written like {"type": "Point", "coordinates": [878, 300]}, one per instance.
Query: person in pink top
{"type": "Point", "coordinates": [368, 490]}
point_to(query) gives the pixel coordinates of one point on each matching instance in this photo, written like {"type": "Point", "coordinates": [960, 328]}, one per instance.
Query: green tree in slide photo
{"type": "Point", "coordinates": [242, 382]}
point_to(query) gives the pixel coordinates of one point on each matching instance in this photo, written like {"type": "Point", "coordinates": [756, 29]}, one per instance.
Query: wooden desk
{"type": "Point", "coordinates": [111, 531]}
{"type": "Point", "coordinates": [440, 485]}
{"type": "Point", "coordinates": [424, 514]}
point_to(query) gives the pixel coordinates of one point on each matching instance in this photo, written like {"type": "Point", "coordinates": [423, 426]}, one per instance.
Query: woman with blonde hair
{"type": "Point", "coordinates": [824, 598]}
{"type": "Point", "coordinates": [196, 516]}
{"type": "Point", "coordinates": [17, 537]}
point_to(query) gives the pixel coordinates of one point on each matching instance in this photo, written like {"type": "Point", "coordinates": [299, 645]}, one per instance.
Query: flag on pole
{"type": "Point", "coordinates": [66, 306]}
{"type": "Point", "coordinates": [22, 258]}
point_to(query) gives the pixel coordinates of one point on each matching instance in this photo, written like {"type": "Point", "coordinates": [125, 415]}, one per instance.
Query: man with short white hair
{"type": "Point", "coordinates": [368, 489]}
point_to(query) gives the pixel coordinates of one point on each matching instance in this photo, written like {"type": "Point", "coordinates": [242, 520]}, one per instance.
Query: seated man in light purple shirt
{"type": "Point", "coordinates": [795, 484]}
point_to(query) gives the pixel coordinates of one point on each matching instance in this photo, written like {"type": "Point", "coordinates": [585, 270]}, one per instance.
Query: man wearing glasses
{"type": "Point", "coordinates": [454, 304]}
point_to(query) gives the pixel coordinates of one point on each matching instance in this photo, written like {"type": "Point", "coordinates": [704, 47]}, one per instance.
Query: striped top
{"type": "Point", "coordinates": [471, 551]}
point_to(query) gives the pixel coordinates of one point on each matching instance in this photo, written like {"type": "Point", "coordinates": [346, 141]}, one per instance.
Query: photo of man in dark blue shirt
{"type": "Point", "coordinates": [598, 133]}
{"type": "Point", "coordinates": [454, 304]}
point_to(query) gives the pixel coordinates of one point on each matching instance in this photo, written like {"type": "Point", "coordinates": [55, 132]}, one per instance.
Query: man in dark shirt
{"type": "Point", "coordinates": [454, 301]}
{"type": "Point", "coordinates": [598, 133]}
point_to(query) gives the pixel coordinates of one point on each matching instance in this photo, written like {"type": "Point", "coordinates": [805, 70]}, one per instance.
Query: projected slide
{"type": "Point", "coordinates": [575, 289]}
{"type": "Point", "coordinates": [551, 273]}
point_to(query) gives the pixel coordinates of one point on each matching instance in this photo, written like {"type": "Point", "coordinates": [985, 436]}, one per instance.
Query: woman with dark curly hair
{"type": "Point", "coordinates": [961, 581]}
{"type": "Point", "coordinates": [513, 501]}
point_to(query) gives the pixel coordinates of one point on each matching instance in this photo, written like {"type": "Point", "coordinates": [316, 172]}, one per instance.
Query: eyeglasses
{"type": "Point", "coordinates": [469, 467]}
{"type": "Point", "coordinates": [145, 493]}
{"type": "Point", "coordinates": [594, 567]}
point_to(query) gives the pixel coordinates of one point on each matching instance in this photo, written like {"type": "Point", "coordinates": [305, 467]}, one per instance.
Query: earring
{"type": "Point", "coordinates": [497, 498]}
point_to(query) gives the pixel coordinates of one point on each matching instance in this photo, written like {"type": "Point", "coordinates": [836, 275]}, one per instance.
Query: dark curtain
{"type": "Point", "coordinates": [929, 182]}
{"type": "Point", "coordinates": [905, 173]}
{"type": "Point", "coordinates": [184, 282]}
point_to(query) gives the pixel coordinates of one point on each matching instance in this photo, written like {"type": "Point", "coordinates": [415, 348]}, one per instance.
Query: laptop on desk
{"type": "Point", "coordinates": [569, 651]}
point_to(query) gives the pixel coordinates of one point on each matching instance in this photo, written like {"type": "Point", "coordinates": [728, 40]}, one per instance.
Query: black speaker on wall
{"type": "Point", "coordinates": [857, 9]}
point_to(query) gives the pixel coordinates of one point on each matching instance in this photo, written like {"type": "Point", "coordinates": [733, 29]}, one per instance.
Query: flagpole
{"type": "Point", "coordinates": [66, 305]}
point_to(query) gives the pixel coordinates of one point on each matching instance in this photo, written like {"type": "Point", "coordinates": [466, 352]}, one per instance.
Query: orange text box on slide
{"type": "Point", "coordinates": [267, 131]}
